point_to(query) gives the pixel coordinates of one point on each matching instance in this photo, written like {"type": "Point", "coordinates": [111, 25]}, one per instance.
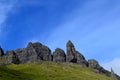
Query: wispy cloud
{"type": "Point", "coordinates": [6, 6]}
{"type": "Point", "coordinates": [115, 64]}
{"type": "Point", "coordinates": [89, 22]}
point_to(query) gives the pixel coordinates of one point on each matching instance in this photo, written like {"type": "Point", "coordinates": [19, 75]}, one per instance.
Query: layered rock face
{"type": "Point", "coordinates": [73, 55]}
{"type": "Point", "coordinates": [59, 55]}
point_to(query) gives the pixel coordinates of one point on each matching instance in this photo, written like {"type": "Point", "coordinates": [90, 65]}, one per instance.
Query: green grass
{"type": "Point", "coordinates": [49, 71]}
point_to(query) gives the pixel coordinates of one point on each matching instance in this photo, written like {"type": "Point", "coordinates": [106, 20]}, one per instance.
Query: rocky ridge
{"type": "Point", "coordinates": [35, 52]}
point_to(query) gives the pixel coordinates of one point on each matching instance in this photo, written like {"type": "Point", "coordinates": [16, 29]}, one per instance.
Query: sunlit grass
{"type": "Point", "coordinates": [49, 71]}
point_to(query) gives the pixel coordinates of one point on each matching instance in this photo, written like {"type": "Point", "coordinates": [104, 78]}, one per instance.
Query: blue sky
{"type": "Point", "coordinates": [92, 25]}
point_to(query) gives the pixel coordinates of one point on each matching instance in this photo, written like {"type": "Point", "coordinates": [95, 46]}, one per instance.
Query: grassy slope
{"type": "Point", "coordinates": [49, 71]}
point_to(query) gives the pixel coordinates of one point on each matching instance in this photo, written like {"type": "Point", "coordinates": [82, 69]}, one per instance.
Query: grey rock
{"type": "Point", "coordinates": [92, 63]}
{"type": "Point", "coordinates": [43, 52]}
{"type": "Point", "coordinates": [26, 55]}
{"type": "Point", "coordinates": [73, 55]}
{"type": "Point", "coordinates": [81, 59]}
{"type": "Point", "coordinates": [113, 74]}
{"type": "Point", "coordinates": [1, 52]}
{"type": "Point", "coordinates": [10, 57]}
{"type": "Point", "coordinates": [59, 55]}
{"type": "Point", "coordinates": [71, 52]}
{"type": "Point", "coordinates": [34, 52]}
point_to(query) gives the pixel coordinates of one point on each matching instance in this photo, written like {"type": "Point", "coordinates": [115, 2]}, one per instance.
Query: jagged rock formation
{"type": "Point", "coordinates": [59, 55]}
{"type": "Point", "coordinates": [92, 63]}
{"type": "Point", "coordinates": [113, 74]}
{"type": "Point", "coordinates": [73, 55]}
{"type": "Point", "coordinates": [35, 52]}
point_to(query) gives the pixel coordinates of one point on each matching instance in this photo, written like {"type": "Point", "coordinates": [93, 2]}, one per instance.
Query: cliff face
{"type": "Point", "coordinates": [35, 52]}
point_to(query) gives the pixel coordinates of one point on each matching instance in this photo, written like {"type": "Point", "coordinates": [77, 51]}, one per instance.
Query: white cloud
{"type": "Point", "coordinates": [115, 64]}
{"type": "Point", "coordinates": [6, 6]}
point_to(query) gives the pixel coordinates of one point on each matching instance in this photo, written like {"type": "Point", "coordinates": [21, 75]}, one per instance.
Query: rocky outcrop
{"type": "Point", "coordinates": [59, 55]}
{"type": "Point", "coordinates": [92, 63]}
{"type": "Point", "coordinates": [43, 52]}
{"type": "Point", "coordinates": [113, 74]}
{"type": "Point", "coordinates": [10, 57]}
{"type": "Point", "coordinates": [35, 52]}
{"type": "Point", "coordinates": [73, 55]}
{"type": "Point", "coordinates": [26, 55]}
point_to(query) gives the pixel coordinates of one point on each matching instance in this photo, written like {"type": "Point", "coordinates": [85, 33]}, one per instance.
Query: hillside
{"type": "Point", "coordinates": [49, 71]}
{"type": "Point", "coordinates": [37, 52]}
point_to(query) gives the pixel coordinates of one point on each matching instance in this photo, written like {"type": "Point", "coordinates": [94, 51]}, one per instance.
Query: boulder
{"type": "Point", "coordinates": [59, 55]}
{"type": "Point", "coordinates": [92, 63]}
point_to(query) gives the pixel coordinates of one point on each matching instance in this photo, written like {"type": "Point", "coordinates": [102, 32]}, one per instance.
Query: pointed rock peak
{"type": "Point", "coordinates": [112, 70]}
{"type": "Point", "coordinates": [113, 74]}
{"type": "Point", "coordinates": [1, 52]}
{"type": "Point", "coordinates": [70, 44]}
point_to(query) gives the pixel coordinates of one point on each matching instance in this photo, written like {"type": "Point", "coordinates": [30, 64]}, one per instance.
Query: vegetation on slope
{"type": "Point", "coordinates": [49, 71]}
